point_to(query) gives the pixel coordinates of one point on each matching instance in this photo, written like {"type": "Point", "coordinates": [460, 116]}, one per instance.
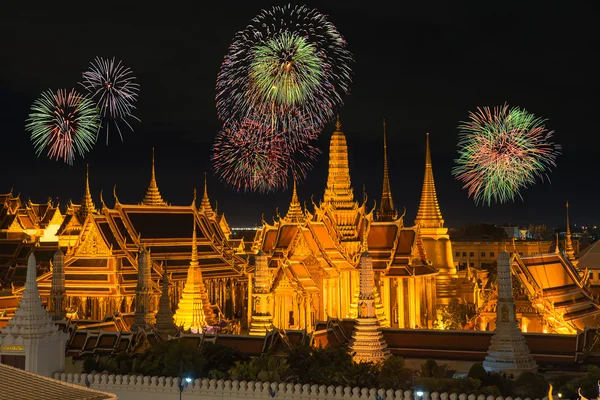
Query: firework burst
{"type": "Point", "coordinates": [112, 86]}
{"type": "Point", "coordinates": [63, 123]}
{"type": "Point", "coordinates": [252, 158]}
{"type": "Point", "coordinates": [289, 61]}
{"type": "Point", "coordinates": [501, 152]}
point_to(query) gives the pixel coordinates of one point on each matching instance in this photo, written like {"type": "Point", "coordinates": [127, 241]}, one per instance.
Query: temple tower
{"type": "Point", "coordinates": [194, 310]}
{"type": "Point", "coordinates": [387, 211]}
{"type": "Point", "coordinates": [87, 204]}
{"type": "Point", "coordinates": [57, 292]}
{"type": "Point", "coordinates": [338, 201]}
{"type": "Point", "coordinates": [261, 319]}
{"type": "Point", "coordinates": [143, 309]}
{"type": "Point", "coordinates": [294, 213]}
{"type": "Point", "coordinates": [367, 343]}
{"type": "Point", "coordinates": [436, 240]}
{"type": "Point", "coordinates": [508, 351]}
{"type": "Point", "coordinates": [153, 197]}
{"type": "Point", "coordinates": [31, 340]}
{"type": "Point", "coordinates": [165, 324]}
{"type": "Point", "coordinates": [569, 251]}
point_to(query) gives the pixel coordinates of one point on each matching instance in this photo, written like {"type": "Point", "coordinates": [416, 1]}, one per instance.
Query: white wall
{"type": "Point", "coordinates": [129, 387]}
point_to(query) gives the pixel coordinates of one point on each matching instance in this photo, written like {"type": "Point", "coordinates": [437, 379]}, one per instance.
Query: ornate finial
{"type": "Point", "coordinates": [569, 251]}
{"type": "Point", "coordinates": [194, 259]}
{"type": "Point", "coordinates": [102, 200]}
{"type": "Point", "coordinates": [338, 124]}
{"type": "Point", "coordinates": [153, 197]}
{"type": "Point", "coordinates": [205, 204]}
{"type": "Point", "coordinates": [194, 199]}
{"type": "Point", "coordinates": [557, 250]}
{"type": "Point", "coordinates": [115, 195]}
{"type": "Point", "coordinates": [365, 243]}
{"type": "Point", "coordinates": [87, 204]}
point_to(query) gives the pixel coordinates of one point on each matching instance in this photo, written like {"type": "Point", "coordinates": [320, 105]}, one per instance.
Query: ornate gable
{"type": "Point", "coordinates": [93, 243]}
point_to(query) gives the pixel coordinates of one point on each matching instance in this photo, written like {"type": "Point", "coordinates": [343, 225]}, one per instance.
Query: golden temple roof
{"type": "Point", "coordinates": [87, 204]}
{"type": "Point", "coordinates": [429, 214]}
{"type": "Point", "coordinates": [294, 213]}
{"type": "Point", "coordinates": [386, 211]}
{"type": "Point", "coordinates": [153, 197]}
{"type": "Point", "coordinates": [339, 189]}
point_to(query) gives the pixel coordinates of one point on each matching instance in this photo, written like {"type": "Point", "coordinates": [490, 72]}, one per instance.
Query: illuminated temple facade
{"type": "Point", "coordinates": [173, 266]}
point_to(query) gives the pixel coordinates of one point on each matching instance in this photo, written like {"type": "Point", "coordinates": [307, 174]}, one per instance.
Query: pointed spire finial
{"type": "Point", "coordinates": [387, 211]}
{"type": "Point", "coordinates": [153, 197]}
{"type": "Point", "coordinates": [338, 124]}
{"type": "Point", "coordinates": [569, 250]}
{"type": "Point", "coordinates": [294, 213]}
{"type": "Point", "coordinates": [87, 204]}
{"type": "Point", "coordinates": [194, 199]}
{"type": "Point", "coordinates": [194, 260]}
{"type": "Point", "coordinates": [556, 249]}
{"type": "Point", "coordinates": [205, 204]}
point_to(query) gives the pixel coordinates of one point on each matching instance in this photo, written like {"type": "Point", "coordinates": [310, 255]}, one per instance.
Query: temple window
{"type": "Point", "coordinates": [483, 254]}
{"type": "Point", "coordinates": [492, 254]}
{"type": "Point", "coordinates": [464, 253]}
{"type": "Point", "coordinates": [471, 254]}
{"type": "Point", "coordinates": [457, 254]}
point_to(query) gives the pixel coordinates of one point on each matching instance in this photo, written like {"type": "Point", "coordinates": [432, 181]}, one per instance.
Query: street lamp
{"type": "Point", "coordinates": [560, 395]}
{"type": "Point", "coordinates": [182, 386]}
{"type": "Point", "coordinates": [419, 394]}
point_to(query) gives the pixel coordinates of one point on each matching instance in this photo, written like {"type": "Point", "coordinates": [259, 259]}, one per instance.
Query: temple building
{"type": "Point", "coordinates": [104, 267]}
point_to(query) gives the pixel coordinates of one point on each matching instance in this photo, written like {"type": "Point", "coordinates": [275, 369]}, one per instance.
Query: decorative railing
{"type": "Point", "coordinates": [137, 386]}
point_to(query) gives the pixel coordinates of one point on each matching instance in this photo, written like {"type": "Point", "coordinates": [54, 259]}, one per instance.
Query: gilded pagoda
{"type": "Point", "coordinates": [98, 261]}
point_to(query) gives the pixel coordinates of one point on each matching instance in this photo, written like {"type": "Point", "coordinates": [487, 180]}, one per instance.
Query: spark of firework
{"type": "Point", "coordinates": [252, 158]}
{"type": "Point", "coordinates": [502, 152]}
{"type": "Point", "coordinates": [112, 86]}
{"type": "Point", "coordinates": [63, 123]}
{"type": "Point", "coordinates": [287, 59]}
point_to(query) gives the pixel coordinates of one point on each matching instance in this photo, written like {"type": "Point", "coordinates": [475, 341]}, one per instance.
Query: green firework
{"type": "Point", "coordinates": [285, 70]}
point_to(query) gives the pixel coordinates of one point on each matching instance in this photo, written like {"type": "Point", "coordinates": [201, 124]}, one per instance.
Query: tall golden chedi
{"type": "Point", "coordinates": [262, 319]}
{"type": "Point", "coordinates": [436, 240]}
{"type": "Point", "coordinates": [367, 343]}
{"type": "Point", "coordinates": [338, 201]}
{"type": "Point", "coordinates": [58, 297]}
{"type": "Point", "coordinates": [194, 312]}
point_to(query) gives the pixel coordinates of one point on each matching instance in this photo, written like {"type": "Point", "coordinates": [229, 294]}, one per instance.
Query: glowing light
{"type": "Point", "coordinates": [113, 87]}
{"type": "Point", "coordinates": [64, 124]}
{"type": "Point", "coordinates": [501, 152]}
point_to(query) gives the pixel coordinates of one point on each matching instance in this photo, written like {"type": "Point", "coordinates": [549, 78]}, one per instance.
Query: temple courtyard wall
{"type": "Point", "coordinates": [130, 387]}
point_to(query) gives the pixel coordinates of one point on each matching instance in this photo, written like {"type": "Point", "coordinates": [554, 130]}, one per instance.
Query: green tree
{"type": "Point", "coordinates": [431, 369]}
{"type": "Point", "coordinates": [477, 371]}
{"type": "Point", "coordinates": [531, 385]}
{"type": "Point", "coordinates": [320, 366]}
{"type": "Point", "coordinates": [394, 375]}
{"type": "Point", "coordinates": [362, 375]}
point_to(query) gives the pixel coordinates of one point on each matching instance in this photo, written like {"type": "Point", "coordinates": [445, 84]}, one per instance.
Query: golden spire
{"type": "Point", "coordinates": [429, 215]}
{"type": "Point", "coordinates": [557, 249]}
{"type": "Point", "coordinates": [205, 204]}
{"type": "Point", "coordinates": [365, 241]}
{"type": "Point", "coordinates": [386, 211]}
{"type": "Point", "coordinates": [87, 204]}
{"type": "Point", "coordinates": [165, 324]}
{"type": "Point", "coordinates": [569, 251]}
{"type": "Point", "coordinates": [194, 259]}
{"type": "Point", "coordinates": [294, 213]}
{"type": "Point", "coordinates": [153, 197]}
{"type": "Point", "coordinates": [195, 311]}
{"type": "Point", "coordinates": [339, 190]}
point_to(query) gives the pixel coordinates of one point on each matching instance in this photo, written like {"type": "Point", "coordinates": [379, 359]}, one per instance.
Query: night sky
{"type": "Point", "coordinates": [421, 66]}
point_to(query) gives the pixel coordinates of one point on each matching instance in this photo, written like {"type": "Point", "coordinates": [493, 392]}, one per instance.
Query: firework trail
{"type": "Point", "coordinates": [252, 158]}
{"type": "Point", "coordinates": [501, 152]}
{"type": "Point", "coordinates": [63, 123]}
{"type": "Point", "coordinates": [112, 86]}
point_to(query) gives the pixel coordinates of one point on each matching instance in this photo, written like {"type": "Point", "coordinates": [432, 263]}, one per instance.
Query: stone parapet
{"type": "Point", "coordinates": [130, 387]}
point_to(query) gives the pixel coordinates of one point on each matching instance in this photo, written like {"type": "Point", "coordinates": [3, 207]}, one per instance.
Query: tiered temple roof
{"type": "Point", "coordinates": [153, 197]}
